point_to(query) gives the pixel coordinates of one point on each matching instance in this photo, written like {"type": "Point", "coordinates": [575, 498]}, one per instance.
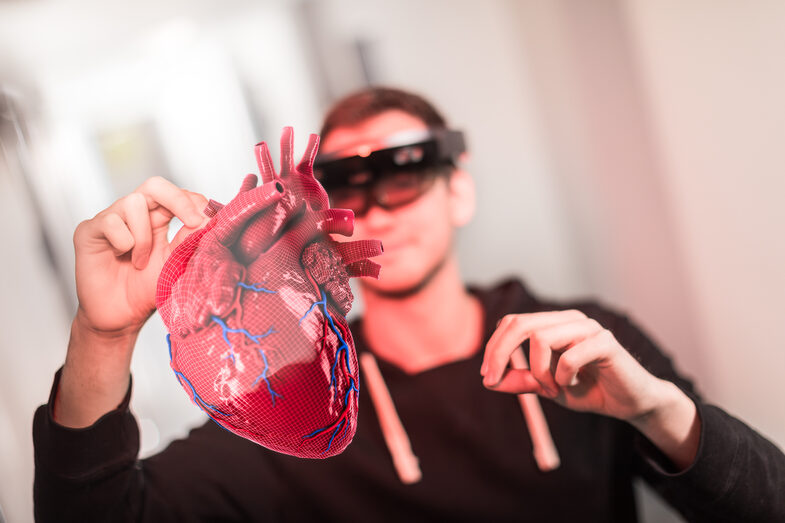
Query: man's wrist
{"type": "Point", "coordinates": [672, 425]}
{"type": "Point", "coordinates": [99, 353]}
{"type": "Point", "coordinates": [116, 337]}
{"type": "Point", "coordinates": [95, 375]}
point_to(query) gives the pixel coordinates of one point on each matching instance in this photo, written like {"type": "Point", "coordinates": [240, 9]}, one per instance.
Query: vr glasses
{"type": "Point", "coordinates": [394, 175]}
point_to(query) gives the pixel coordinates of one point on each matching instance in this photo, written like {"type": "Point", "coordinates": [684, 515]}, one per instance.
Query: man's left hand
{"type": "Point", "coordinates": [578, 363]}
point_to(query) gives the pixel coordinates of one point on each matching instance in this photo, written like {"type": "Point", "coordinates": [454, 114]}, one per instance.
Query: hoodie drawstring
{"type": "Point", "coordinates": [406, 463]}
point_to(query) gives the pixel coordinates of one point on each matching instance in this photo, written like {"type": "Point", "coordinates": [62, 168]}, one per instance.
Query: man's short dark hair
{"type": "Point", "coordinates": [367, 103]}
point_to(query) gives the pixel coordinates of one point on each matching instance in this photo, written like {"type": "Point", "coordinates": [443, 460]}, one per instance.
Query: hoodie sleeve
{"type": "Point", "coordinates": [94, 474]}
{"type": "Point", "coordinates": [737, 475]}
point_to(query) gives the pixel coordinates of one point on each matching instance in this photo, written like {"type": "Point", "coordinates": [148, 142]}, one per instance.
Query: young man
{"type": "Point", "coordinates": [614, 405]}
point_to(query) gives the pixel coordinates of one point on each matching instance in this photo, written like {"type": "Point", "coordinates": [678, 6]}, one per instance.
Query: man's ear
{"type": "Point", "coordinates": [462, 197]}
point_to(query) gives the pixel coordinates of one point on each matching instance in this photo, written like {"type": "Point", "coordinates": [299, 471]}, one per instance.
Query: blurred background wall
{"type": "Point", "coordinates": [627, 150]}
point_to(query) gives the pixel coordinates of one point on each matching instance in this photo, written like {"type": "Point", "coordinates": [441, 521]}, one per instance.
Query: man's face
{"type": "Point", "coordinates": [417, 237]}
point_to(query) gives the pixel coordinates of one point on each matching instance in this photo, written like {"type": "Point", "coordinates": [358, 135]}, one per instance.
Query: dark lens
{"type": "Point", "coordinates": [403, 187]}
{"type": "Point", "coordinates": [353, 198]}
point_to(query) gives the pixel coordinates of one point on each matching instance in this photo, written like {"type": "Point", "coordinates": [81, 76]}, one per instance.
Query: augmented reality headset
{"type": "Point", "coordinates": [408, 151]}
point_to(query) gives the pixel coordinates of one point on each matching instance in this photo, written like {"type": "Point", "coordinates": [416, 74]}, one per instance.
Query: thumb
{"type": "Point", "coordinates": [209, 210]}
{"type": "Point", "coordinates": [517, 381]}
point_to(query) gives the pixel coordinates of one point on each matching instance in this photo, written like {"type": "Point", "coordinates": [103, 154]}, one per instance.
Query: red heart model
{"type": "Point", "coordinates": [255, 302]}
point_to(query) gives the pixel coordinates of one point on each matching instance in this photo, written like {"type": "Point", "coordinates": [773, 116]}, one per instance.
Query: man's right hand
{"type": "Point", "coordinates": [120, 252]}
{"type": "Point", "coordinates": [119, 256]}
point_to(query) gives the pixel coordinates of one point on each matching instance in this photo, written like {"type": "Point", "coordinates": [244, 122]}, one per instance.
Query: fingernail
{"type": "Point", "coordinates": [574, 381]}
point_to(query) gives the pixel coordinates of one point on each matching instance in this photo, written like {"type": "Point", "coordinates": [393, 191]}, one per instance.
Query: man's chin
{"type": "Point", "coordinates": [399, 288]}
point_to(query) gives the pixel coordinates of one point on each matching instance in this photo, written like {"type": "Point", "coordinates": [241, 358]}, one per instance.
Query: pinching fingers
{"type": "Point", "coordinates": [161, 193]}
{"type": "Point", "coordinates": [513, 330]}
{"type": "Point", "coordinates": [592, 349]}
{"type": "Point", "coordinates": [554, 340]}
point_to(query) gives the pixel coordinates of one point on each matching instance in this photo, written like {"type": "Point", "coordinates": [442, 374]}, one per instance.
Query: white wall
{"type": "Point", "coordinates": [714, 79]}
{"type": "Point", "coordinates": [595, 117]}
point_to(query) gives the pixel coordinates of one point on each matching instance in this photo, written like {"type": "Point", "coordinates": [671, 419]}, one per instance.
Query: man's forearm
{"type": "Point", "coordinates": [673, 426]}
{"type": "Point", "coordinates": [95, 375]}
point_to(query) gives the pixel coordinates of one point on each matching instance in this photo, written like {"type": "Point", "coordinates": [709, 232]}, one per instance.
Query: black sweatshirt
{"type": "Point", "coordinates": [473, 447]}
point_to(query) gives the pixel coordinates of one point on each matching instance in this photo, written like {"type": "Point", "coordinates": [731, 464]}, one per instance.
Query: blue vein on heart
{"type": "Point", "coordinates": [195, 397]}
{"type": "Point", "coordinates": [342, 350]}
{"type": "Point", "coordinates": [226, 330]}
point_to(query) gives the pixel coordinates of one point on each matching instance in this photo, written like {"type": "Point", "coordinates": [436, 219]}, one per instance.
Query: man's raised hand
{"type": "Point", "coordinates": [120, 252]}
{"type": "Point", "coordinates": [578, 363]}
{"type": "Point", "coordinates": [119, 255]}
{"type": "Point", "coordinates": [573, 360]}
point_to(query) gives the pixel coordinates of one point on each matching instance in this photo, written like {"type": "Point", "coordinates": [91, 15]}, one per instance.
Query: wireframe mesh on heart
{"type": "Point", "coordinates": [255, 305]}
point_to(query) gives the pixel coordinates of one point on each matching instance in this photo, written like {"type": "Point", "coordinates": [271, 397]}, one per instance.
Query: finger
{"type": "Point", "coordinates": [137, 218]}
{"type": "Point", "coordinates": [501, 326]}
{"type": "Point", "coordinates": [591, 350]}
{"type": "Point", "coordinates": [556, 338]}
{"type": "Point", "coordinates": [562, 336]}
{"type": "Point", "coordinates": [265, 162]}
{"type": "Point", "coordinates": [209, 209]}
{"type": "Point", "coordinates": [540, 355]}
{"type": "Point", "coordinates": [287, 151]}
{"type": "Point", "coordinates": [111, 228]}
{"type": "Point", "coordinates": [200, 202]}
{"type": "Point", "coordinates": [513, 330]}
{"type": "Point", "coordinates": [535, 319]}
{"type": "Point", "coordinates": [306, 162]}
{"type": "Point", "coordinates": [518, 381]}
{"type": "Point", "coordinates": [159, 192]}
